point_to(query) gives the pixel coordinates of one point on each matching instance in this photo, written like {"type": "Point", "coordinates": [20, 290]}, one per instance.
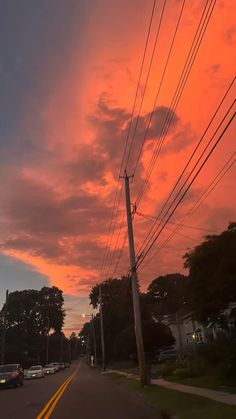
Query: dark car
{"type": "Point", "coordinates": [11, 375]}
{"type": "Point", "coordinates": [168, 354]}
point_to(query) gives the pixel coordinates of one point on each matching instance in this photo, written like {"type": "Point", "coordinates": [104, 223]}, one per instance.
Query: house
{"type": "Point", "coordinates": [189, 333]}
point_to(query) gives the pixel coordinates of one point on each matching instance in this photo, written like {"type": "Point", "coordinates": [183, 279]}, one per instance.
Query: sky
{"type": "Point", "coordinates": [69, 71]}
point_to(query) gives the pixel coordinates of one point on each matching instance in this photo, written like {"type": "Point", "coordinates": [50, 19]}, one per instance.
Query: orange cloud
{"type": "Point", "coordinates": [58, 196]}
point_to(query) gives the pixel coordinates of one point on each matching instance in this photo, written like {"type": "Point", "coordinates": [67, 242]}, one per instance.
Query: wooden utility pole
{"type": "Point", "coordinates": [62, 344]}
{"type": "Point", "coordinates": [47, 341]}
{"type": "Point", "coordinates": [102, 330]}
{"type": "Point", "coordinates": [94, 341]}
{"type": "Point", "coordinates": [135, 290]}
{"type": "Point", "coordinates": [4, 326]}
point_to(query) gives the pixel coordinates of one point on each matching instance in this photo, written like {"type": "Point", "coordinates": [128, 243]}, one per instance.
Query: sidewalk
{"type": "Point", "coordinates": [216, 395]}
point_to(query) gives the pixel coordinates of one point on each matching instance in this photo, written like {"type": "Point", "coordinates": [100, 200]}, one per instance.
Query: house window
{"type": "Point", "coordinates": [195, 337]}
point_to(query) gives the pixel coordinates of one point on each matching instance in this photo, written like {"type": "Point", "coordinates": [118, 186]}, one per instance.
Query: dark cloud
{"type": "Point", "coordinates": [160, 115]}
{"type": "Point", "coordinates": [41, 221]}
{"type": "Point", "coordinates": [180, 140]}
{"type": "Point", "coordinates": [38, 220]}
{"type": "Point", "coordinates": [88, 166]}
{"type": "Point", "coordinates": [111, 125]}
{"type": "Point", "coordinates": [213, 69]}
{"type": "Point", "coordinates": [230, 35]}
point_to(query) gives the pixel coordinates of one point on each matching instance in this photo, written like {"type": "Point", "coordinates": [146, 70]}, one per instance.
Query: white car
{"type": "Point", "coordinates": [49, 369]}
{"type": "Point", "coordinates": [36, 371]}
{"type": "Point", "coordinates": [56, 366]}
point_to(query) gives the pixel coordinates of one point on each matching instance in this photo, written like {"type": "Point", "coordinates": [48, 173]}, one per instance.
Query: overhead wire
{"type": "Point", "coordinates": [138, 84]}
{"type": "Point", "coordinates": [153, 239]}
{"type": "Point", "coordinates": [205, 21]}
{"type": "Point", "coordinates": [146, 82]}
{"type": "Point", "coordinates": [213, 184]}
{"type": "Point", "coordinates": [190, 159]}
{"type": "Point", "coordinates": [149, 218]}
{"type": "Point", "coordinates": [199, 34]}
{"type": "Point", "coordinates": [197, 228]}
{"type": "Point", "coordinates": [160, 85]}
{"type": "Point", "coordinates": [115, 208]}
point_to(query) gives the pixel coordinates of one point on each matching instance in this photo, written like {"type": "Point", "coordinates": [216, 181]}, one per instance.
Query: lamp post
{"type": "Point", "coordinates": [94, 336]}
{"type": "Point", "coordinates": [47, 341]}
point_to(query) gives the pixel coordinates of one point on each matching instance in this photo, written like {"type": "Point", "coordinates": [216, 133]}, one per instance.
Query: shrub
{"type": "Point", "coordinates": [181, 373]}
{"type": "Point", "coordinates": [167, 368]}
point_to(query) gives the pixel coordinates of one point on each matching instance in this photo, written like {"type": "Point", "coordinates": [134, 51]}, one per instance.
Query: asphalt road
{"type": "Point", "coordinates": [75, 393]}
{"type": "Point", "coordinates": [26, 402]}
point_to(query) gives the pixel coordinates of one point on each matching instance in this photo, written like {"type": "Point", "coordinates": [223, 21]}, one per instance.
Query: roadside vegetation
{"type": "Point", "coordinates": [182, 405]}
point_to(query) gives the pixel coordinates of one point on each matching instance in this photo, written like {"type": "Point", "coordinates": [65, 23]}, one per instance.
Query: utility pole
{"type": "Point", "coordinates": [47, 342]}
{"type": "Point", "coordinates": [4, 326]}
{"type": "Point", "coordinates": [102, 330]}
{"type": "Point", "coordinates": [61, 350]}
{"type": "Point", "coordinates": [135, 290]}
{"type": "Point", "coordinates": [94, 342]}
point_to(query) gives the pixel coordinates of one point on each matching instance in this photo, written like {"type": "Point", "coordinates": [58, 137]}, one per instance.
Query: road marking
{"type": "Point", "coordinates": [48, 409]}
{"type": "Point", "coordinates": [51, 400]}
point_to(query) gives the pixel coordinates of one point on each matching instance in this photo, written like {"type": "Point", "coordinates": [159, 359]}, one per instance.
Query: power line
{"type": "Point", "coordinates": [191, 172]}
{"type": "Point", "coordinates": [138, 85]}
{"type": "Point", "coordinates": [224, 170]}
{"type": "Point", "coordinates": [160, 86]}
{"type": "Point", "coordinates": [117, 198]}
{"type": "Point", "coordinates": [153, 217]}
{"type": "Point", "coordinates": [150, 218]}
{"type": "Point", "coordinates": [190, 159]}
{"type": "Point", "coordinates": [150, 245]}
{"type": "Point", "coordinates": [122, 224]}
{"type": "Point", "coordinates": [146, 83]}
{"type": "Point", "coordinates": [200, 32]}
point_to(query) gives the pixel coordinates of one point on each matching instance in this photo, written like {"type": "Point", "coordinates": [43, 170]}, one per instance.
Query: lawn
{"type": "Point", "coordinates": [185, 406]}
{"type": "Point", "coordinates": [182, 405]}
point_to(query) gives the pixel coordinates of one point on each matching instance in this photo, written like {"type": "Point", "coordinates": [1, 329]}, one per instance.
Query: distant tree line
{"type": "Point", "coordinates": [33, 321]}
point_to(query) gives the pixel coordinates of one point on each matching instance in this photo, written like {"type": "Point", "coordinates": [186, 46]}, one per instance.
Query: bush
{"type": "Point", "coordinates": [167, 368]}
{"type": "Point", "coordinates": [181, 373]}
{"type": "Point", "coordinates": [221, 355]}
{"type": "Point", "coordinates": [191, 364]}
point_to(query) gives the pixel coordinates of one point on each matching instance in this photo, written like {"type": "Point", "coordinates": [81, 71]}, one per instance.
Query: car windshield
{"type": "Point", "coordinates": [36, 367]}
{"type": "Point", "coordinates": [48, 366]}
{"type": "Point", "coordinates": [8, 368]}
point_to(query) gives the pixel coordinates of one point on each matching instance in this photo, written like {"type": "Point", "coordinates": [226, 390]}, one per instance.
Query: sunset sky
{"type": "Point", "coordinates": [68, 75]}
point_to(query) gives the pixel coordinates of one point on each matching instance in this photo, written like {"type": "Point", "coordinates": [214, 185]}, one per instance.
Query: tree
{"type": "Point", "coordinates": [117, 305]}
{"type": "Point", "coordinates": [155, 336]}
{"type": "Point", "coordinates": [32, 311]}
{"type": "Point", "coordinates": [212, 271]}
{"type": "Point", "coordinates": [168, 294]}
{"type": "Point", "coordinates": [119, 329]}
{"type": "Point", "coordinates": [117, 302]}
{"type": "Point", "coordinates": [30, 316]}
{"type": "Point", "coordinates": [51, 308]}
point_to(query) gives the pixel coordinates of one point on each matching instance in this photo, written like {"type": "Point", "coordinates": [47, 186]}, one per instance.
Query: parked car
{"type": "Point", "coordinates": [168, 354]}
{"type": "Point", "coordinates": [36, 371]}
{"type": "Point", "coordinates": [56, 365]}
{"type": "Point", "coordinates": [67, 364]}
{"type": "Point", "coordinates": [49, 369]}
{"type": "Point", "coordinates": [11, 375]}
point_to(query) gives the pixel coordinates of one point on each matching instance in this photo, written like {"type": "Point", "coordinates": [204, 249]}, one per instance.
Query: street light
{"type": "Point", "coordinates": [94, 338]}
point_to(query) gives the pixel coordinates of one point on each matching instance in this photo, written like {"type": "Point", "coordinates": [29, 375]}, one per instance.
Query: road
{"type": "Point", "coordinates": [75, 393]}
